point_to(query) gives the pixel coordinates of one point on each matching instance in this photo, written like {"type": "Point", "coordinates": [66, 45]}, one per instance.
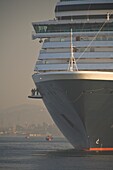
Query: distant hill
{"type": "Point", "coordinates": [26, 113]}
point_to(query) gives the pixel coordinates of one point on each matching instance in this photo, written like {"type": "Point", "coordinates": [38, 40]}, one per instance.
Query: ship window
{"type": "Point", "coordinates": [75, 27]}
{"type": "Point", "coordinates": [104, 38]}
{"type": "Point", "coordinates": [62, 39]}
{"type": "Point", "coordinates": [92, 49]}
{"type": "Point", "coordinates": [82, 49]}
{"type": "Point", "coordinates": [78, 38]}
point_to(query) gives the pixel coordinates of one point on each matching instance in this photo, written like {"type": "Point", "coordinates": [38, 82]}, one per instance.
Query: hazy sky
{"type": "Point", "coordinates": [18, 52]}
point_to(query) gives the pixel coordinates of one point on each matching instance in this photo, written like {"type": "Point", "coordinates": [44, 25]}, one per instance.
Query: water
{"type": "Point", "coordinates": [18, 153]}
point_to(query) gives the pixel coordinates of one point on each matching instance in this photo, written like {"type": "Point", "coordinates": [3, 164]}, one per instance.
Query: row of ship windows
{"type": "Point", "coordinates": [81, 38]}
{"type": "Point", "coordinates": [81, 7]}
{"type": "Point", "coordinates": [84, 17]}
{"type": "Point", "coordinates": [78, 66]}
{"type": "Point", "coordinates": [81, 29]}
{"type": "Point", "coordinates": [75, 27]}
{"type": "Point", "coordinates": [80, 49]}
{"type": "Point", "coordinates": [65, 61]}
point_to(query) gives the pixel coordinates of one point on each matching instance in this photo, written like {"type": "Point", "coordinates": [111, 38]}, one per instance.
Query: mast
{"type": "Point", "coordinates": [72, 62]}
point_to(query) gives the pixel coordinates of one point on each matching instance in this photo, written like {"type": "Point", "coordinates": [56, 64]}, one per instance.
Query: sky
{"type": "Point", "coordinates": [18, 52]}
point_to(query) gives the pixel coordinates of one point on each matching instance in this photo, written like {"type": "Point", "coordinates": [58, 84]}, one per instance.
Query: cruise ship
{"type": "Point", "coordinates": [74, 71]}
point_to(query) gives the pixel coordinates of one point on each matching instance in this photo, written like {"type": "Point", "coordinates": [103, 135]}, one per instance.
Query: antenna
{"type": "Point", "coordinates": [72, 62]}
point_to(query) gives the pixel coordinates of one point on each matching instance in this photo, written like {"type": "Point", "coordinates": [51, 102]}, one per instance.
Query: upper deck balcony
{"type": "Point", "coordinates": [66, 26]}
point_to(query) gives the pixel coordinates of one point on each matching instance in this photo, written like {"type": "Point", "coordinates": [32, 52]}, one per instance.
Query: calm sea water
{"type": "Point", "coordinates": [18, 153]}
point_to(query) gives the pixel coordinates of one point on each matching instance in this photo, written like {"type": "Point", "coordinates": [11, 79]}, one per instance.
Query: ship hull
{"type": "Point", "coordinates": [81, 104]}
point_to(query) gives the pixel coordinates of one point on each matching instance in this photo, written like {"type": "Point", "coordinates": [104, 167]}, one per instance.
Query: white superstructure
{"type": "Point", "coordinates": [92, 37]}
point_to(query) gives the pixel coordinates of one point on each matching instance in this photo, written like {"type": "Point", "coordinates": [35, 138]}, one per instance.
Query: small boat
{"type": "Point", "coordinates": [27, 136]}
{"type": "Point", "coordinates": [49, 138]}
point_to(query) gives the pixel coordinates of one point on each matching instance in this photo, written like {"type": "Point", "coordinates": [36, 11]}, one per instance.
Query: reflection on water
{"type": "Point", "coordinates": [18, 153]}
